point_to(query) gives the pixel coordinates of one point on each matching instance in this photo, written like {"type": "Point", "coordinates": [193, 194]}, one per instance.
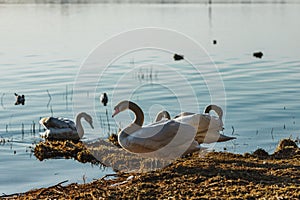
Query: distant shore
{"type": "Point", "coordinates": [143, 1]}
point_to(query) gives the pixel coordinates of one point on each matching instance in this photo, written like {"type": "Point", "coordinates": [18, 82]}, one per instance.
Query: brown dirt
{"type": "Point", "coordinates": [216, 175]}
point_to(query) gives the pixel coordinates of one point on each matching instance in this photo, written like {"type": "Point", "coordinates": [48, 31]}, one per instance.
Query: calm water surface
{"type": "Point", "coordinates": [43, 46]}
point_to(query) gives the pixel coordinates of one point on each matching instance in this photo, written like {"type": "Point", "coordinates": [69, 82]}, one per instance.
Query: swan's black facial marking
{"type": "Point", "coordinates": [124, 105]}
{"type": "Point", "coordinates": [116, 111]}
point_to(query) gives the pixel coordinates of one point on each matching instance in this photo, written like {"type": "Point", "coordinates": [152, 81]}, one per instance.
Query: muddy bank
{"type": "Point", "coordinates": [213, 175]}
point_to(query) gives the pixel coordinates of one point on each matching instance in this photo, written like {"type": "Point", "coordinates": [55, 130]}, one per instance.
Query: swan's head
{"type": "Point", "coordinates": [89, 119]}
{"type": "Point", "coordinates": [120, 107]}
{"type": "Point", "coordinates": [162, 114]}
{"type": "Point", "coordinates": [216, 108]}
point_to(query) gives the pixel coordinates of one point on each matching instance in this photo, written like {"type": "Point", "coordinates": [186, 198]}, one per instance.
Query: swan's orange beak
{"type": "Point", "coordinates": [116, 112]}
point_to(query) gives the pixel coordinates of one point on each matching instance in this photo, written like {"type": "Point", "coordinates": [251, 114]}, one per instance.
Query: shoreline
{"type": "Point", "coordinates": [216, 175]}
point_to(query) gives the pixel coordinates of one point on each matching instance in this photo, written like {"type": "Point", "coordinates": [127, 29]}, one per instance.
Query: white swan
{"type": "Point", "coordinates": [208, 127]}
{"type": "Point", "coordinates": [64, 129]}
{"type": "Point", "coordinates": [167, 139]}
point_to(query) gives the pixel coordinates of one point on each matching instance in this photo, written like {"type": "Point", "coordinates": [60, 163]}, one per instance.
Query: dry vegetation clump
{"type": "Point", "coordinates": [100, 152]}
{"type": "Point", "coordinates": [66, 149]}
{"type": "Point", "coordinates": [216, 175]}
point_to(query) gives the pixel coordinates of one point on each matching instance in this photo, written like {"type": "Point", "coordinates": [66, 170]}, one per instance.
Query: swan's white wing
{"type": "Point", "coordinates": [159, 135]}
{"type": "Point", "coordinates": [58, 123]}
{"type": "Point", "coordinates": [202, 122]}
{"type": "Point", "coordinates": [160, 122]}
{"type": "Point", "coordinates": [182, 114]}
{"type": "Point", "coordinates": [192, 120]}
{"type": "Point", "coordinates": [207, 126]}
{"type": "Point", "coordinates": [69, 122]}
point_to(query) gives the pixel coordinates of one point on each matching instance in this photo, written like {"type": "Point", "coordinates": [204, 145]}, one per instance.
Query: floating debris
{"type": "Point", "coordinates": [258, 54]}
{"type": "Point", "coordinates": [178, 57]}
{"type": "Point", "coordinates": [20, 99]}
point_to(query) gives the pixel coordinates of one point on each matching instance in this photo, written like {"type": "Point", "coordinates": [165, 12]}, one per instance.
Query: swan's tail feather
{"type": "Point", "coordinates": [224, 138]}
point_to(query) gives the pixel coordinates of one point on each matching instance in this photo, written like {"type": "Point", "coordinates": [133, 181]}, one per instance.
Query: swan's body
{"type": "Point", "coordinates": [208, 127]}
{"type": "Point", "coordinates": [64, 129]}
{"type": "Point", "coordinates": [164, 139]}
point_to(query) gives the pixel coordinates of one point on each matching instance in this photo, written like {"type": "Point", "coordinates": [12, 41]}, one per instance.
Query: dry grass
{"type": "Point", "coordinates": [213, 176]}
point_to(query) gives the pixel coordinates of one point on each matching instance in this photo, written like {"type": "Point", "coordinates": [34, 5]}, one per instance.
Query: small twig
{"type": "Point", "coordinates": [71, 98]}
{"type": "Point", "coordinates": [84, 179]}
{"type": "Point", "coordinates": [66, 92]}
{"type": "Point", "coordinates": [22, 128]}
{"type": "Point", "coordinates": [40, 125]}
{"type": "Point", "coordinates": [59, 184]}
{"type": "Point", "coordinates": [50, 98]}
{"type": "Point", "coordinates": [272, 134]}
{"type": "Point", "coordinates": [108, 175]}
{"type": "Point", "coordinates": [33, 127]}
{"type": "Point", "coordinates": [2, 100]}
{"type": "Point", "coordinates": [51, 111]}
{"type": "Point", "coordinates": [100, 121]}
{"type": "Point", "coordinates": [107, 121]}
{"type": "Point", "coordinates": [11, 195]}
{"type": "Point", "coordinates": [67, 97]}
{"type": "Point", "coordinates": [45, 189]}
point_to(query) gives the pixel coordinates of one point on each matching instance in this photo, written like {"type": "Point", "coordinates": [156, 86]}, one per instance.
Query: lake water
{"type": "Point", "coordinates": [43, 46]}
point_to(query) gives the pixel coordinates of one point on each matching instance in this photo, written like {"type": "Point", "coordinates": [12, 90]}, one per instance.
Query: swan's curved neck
{"type": "Point", "coordinates": [79, 127]}
{"type": "Point", "coordinates": [137, 123]}
{"type": "Point", "coordinates": [139, 115]}
{"type": "Point", "coordinates": [217, 109]}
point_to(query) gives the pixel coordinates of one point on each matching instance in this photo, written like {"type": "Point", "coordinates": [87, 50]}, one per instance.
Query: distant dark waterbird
{"type": "Point", "coordinates": [214, 42]}
{"type": "Point", "coordinates": [20, 99]}
{"type": "Point", "coordinates": [258, 54]}
{"type": "Point", "coordinates": [178, 57]}
{"type": "Point", "coordinates": [104, 99]}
